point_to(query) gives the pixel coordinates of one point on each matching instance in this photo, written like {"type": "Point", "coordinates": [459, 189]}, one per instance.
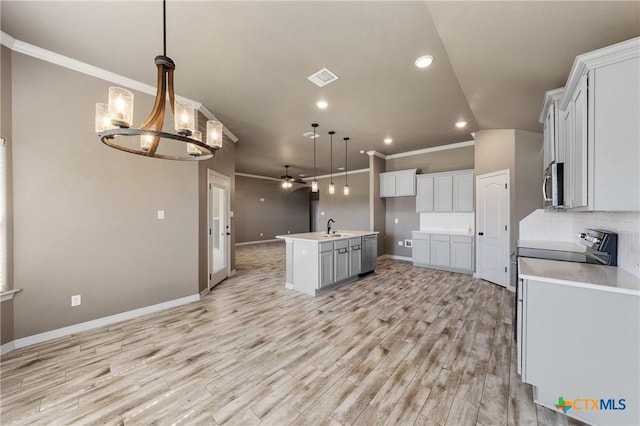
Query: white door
{"type": "Point", "coordinates": [219, 228]}
{"type": "Point", "coordinates": [492, 227]}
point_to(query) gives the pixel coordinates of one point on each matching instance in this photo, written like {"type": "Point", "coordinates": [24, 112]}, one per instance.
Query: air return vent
{"type": "Point", "coordinates": [323, 77]}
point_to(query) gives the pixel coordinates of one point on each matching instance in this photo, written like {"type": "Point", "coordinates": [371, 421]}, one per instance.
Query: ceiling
{"type": "Point", "coordinates": [248, 63]}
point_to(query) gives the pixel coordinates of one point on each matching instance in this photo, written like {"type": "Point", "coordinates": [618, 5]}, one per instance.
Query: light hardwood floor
{"type": "Point", "coordinates": [404, 346]}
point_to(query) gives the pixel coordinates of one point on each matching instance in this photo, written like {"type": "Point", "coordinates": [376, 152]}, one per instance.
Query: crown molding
{"type": "Point", "coordinates": [340, 173]}
{"type": "Point", "coordinates": [587, 61]}
{"type": "Point", "coordinates": [376, 154]}
{"type": "Point", "coordinates": [550, 97]}
{"type": "Point", "coordinates": [257, 176]}
{"type": "Point", "coordinates": [84, 68]}
{"type": "Point", "coordinates": [432, 149]}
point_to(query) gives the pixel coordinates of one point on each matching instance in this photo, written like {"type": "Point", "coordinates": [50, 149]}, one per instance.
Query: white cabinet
{"type": "Point", "coordinates": [440, 251]}
{"type": "Point", "coordinates": [341, 260]}
{"type": "Point", "coordinates": [461, 252]}
{"type": "Point", "coordinates": [398, 184]}
{"type": "Point", "coordinates": [326, 267]}
{"type": "Point", "coordinates": [421, 249]}
{"type": "Point", "coordinates": [599, 130]}
{"type": "Point", "coordinates": [463, 192]}
{"type": "Point", "coordinates": [355, 256]}
{"type": "Point", "coordinates": [445, 192]}
{"type": "Point", "coordinates": [598, 328]}
{"type": "Point", "coordinates": [424, 193]}
{"type": "Point", "coordinates": [553, 147]}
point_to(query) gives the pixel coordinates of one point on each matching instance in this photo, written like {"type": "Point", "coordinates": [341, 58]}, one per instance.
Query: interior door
{"type": "Point", "coordinates": [219, 228]}
{"type": "Point", "coordinates": [492, 216]}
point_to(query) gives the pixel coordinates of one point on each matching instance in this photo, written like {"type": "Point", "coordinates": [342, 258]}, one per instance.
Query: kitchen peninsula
{"type": "Point", "coordinates": [320, 261]}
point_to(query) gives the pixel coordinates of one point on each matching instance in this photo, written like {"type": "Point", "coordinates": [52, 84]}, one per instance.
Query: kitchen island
{"type": "Point", "coordinates": [317, 262]}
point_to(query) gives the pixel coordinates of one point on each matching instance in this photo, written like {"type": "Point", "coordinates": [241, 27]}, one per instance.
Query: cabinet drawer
{"type": "Point", "coordinates": [421, 236]}
{"type": "Point", "coordinates": [340, 244]}
{"type": "Point", "coordinates": [355, 242]}
{"type": "Point", "coordinates": [326, 246]}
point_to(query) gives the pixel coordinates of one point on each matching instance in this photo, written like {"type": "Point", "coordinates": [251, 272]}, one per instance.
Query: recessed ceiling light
{"type": "Point", "coordinates": [322, 104]}
{"type": "Point", "coordinates": [461, 124]}
{"type": "Point", "coordinates": [388, 141]}
{"type": "Point", "coordinates": [424, 61]}
{"type": "Point", "coordinates": [362, 151]}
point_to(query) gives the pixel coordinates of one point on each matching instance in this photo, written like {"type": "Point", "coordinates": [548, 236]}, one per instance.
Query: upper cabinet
{"type": "Point", "coordinates": [594, 129]}
{"type": "Point", "coordinates": [551, 120]}
{"type": "Point", "coordinates": [445, 192]}
{"type": "Point", "coordinates": [398, 184]}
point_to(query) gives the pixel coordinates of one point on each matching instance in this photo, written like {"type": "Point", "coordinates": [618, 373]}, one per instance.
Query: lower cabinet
{"type": "Point", "coordinates": [339, 260]}
{"type": "Point", "coordinates": [440, 251]}
{"type": "Point", "coordinates": [326, 264]}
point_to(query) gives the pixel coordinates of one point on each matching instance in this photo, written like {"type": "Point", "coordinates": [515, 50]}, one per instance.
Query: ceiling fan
{"type": "Point", "coordinates": [287, 181]}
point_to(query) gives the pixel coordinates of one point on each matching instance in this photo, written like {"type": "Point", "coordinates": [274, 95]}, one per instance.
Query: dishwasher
{"type": "Point", "coordinates": [369, 253]}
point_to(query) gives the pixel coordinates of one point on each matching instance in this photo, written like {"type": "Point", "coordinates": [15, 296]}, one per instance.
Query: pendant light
{"type": "Point", "coordinates": [346, 169]}
{"type": "Point", "coordinates": [332, 187]}
{"type": "Point", "coordinates": [314, 184]}
{"type": "Point", "coordinates": [113, 121]}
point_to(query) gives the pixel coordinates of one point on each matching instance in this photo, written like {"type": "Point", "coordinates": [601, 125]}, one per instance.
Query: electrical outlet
{"type": "Point", "coordinates": [261, 234]}
{"type": "Point", "coordinates": [400, 243]}
{"type": "Point", "coordinates": [396, 220]}
{"type": "Point", "coordinates": [160, 214]}
{"type": "Point", "coordinates": [288, 232]}
{"type": "Point", "coordinates": [76, 300]}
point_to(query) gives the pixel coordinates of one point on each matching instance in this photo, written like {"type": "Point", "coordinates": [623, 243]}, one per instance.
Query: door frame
{"type": "Point", "coordinates": [507, 259]}
{"type": "Point", "coordinates": [220, 180]}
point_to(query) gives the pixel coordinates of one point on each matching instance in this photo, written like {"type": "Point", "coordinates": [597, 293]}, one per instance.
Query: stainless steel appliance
{"type": "Point", "coordinates": [552, 186]}
{"type": "Point", "coordinates": [369, 253]}
{"type": "Point", "coordinates": [601, 248]}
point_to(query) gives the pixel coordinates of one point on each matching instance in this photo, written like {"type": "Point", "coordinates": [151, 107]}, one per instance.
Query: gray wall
{"type": "Point", "coordinates": [351, 212]}
{"type": "Point", "coordinates": [404, 208]}
{"type": "Point", "coordinates": [85, 214]}
{"type": "Point", "coordinates": [280, 212]}
{"type": "Point", "coordinates": [521, 153]}
{"type": "Point", "coordinates": [6, 308]}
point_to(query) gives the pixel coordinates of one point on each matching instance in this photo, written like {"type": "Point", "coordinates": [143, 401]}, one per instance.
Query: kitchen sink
{"type": "Point", "coordinates": [336, 235]}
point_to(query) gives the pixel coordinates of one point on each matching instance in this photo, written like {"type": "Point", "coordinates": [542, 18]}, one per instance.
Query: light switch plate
{"type": "Point", "coordinates": [396, 220]}
{"type": "Point", "coordinates": [160, 214]}
{"type": "Point", "coordinates": [76, 300]}
{"type": "Point", "coordinates": [400, 243]}
{"type": "Point", "coordinates": [408, 243]}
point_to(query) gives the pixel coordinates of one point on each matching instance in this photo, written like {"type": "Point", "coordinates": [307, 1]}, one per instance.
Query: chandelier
{"type": "Point", "coordinates": [113, 120]}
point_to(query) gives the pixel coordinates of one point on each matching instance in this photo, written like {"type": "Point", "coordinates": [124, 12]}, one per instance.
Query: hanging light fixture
{"type": "Point", "coordinates": [314, 184]}
{"type": "Point", "coordinates": [287, 181]}
{"type": "Point", "coordinates": [346, 169]}
{"type": "Point", "coordinates": [332, 187]}
{"type": "Point", "coordinates": [113, 120]}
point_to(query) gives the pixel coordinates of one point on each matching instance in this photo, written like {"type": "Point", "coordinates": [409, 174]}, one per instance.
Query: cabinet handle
{"type": "Point", "coordinates": [480, 233]}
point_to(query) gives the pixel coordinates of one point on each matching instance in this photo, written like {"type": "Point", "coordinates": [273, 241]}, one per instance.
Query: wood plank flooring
{"type": "Point", "coordinates": [406, 346]}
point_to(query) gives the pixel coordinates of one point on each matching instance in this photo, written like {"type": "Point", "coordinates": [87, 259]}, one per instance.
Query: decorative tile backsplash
{"type": "Point", "coordinates": [544, 225]}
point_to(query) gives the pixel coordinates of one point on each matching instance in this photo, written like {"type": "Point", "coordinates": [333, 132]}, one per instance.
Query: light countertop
{"type": "Point", "coordinates": [443, 231]}
{"type": "Point", "coordinates": [553, 245]}
{"type": "Point", "coordinates": [585, 275]}
{"type": "Point", "coordinates": [322, 236]}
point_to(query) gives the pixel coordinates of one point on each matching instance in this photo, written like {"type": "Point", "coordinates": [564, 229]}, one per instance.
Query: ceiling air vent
{"type": "Point", "coordinates": [323, 77]}
{"type": "Point", "coordinates": [310, 135]}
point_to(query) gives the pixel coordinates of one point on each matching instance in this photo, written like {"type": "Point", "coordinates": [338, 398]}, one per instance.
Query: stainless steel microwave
{"type": "Point", "coordinates": [552, 186]}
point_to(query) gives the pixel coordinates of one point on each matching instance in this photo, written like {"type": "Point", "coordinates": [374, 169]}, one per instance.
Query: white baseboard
{"type": "Point", "coordinates": [100, 322]}
{"type": "Point", "coordinates": [233, 272]}
{"type": "Point", "coordinates": [246, 243]}
{"type": "Point", "coordinates": [396, 257]}
{"type": "Point", "coordinates": [6, 348]}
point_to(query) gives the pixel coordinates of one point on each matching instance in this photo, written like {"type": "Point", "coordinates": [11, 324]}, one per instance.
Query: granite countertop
{"type": "Point", "coordinates": [445, 231]}
{"type": "Point", "coordinates": [585, 275]}
{"type": "Point", "coordinates": [322, 236]}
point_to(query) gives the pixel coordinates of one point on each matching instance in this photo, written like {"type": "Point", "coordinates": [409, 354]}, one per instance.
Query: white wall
{"type": "Point", "coordinates": [564, 226]}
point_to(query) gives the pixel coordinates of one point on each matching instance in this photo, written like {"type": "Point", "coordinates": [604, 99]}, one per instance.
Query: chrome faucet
{"type": "Point", "coordinates": [329, 222]}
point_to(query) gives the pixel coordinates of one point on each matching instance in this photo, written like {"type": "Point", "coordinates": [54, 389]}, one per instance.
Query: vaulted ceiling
{"type": "Point", "coordinates": [248, 63]}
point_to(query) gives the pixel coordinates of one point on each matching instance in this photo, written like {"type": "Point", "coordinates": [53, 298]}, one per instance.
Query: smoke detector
{"type": "Point", "coordinates": [322, 77]}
